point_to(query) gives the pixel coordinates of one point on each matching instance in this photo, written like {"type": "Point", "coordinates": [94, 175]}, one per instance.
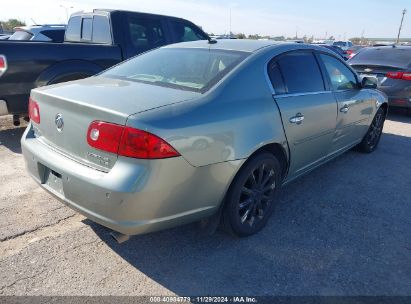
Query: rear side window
{"type": "Point", "coordinates": [183, 31]}
{"type": "Point", "coordinates": [73, 29]}
{"type": "Point", "coordinates": [301, 73]}
{"type": "Point", "coordinates": [342, 78]}
{"type": "Point", "coordinates": [21, 35]}
{"type": "Point", "coordinates": [146, 33]}
{"type": "Point", "coordinates": [276, 78]}
{"type": "Point", "coordinates": [101, 30]}
{"type": "Point", "coordinates": [54, 35]}
{"type": "Point", "coordinates": [86, 29]}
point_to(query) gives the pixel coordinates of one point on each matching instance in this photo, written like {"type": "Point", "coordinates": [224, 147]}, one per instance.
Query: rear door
{"type": "Point", "coordinates": [354, 105]}
{"type": "Point", "coordinates": [308, 109]}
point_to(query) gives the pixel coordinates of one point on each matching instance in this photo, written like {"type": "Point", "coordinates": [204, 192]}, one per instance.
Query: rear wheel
{"type": "Point", "coordinates": [372, 138]}
{"type": "Point", "coordinates": [251, 197]}
{"type": "Point", "coordinates": [409, 111]}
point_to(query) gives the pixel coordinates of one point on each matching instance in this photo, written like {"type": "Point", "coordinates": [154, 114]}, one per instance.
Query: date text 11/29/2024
{"type": "Point", "coordinates": [205, 299]}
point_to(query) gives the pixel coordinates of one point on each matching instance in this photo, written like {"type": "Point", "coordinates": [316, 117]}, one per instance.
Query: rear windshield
{"type": "Point", "coordinates": [387, 56]}
{"type": "Point", "coordinates": [186, 69]}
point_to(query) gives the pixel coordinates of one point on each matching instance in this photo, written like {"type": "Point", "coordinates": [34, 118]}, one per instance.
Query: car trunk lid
{"type": "Point", "coordinates": [81, 102]}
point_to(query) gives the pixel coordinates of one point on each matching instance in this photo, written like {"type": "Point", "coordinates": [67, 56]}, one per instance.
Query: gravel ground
{"type": "Point", "coordinates": [344, 229]}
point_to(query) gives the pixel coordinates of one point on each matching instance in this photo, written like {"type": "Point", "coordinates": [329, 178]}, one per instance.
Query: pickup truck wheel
{"type": "Point", "coordinates": [372, 138]}
{"type": "Point", "coordinates": [251, 197]}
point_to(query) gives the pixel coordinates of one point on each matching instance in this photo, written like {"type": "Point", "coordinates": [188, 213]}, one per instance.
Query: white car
{"type": "Point", "coordinates": [48, 32]}
{"type": "Point", "coordinates": [344, 45]}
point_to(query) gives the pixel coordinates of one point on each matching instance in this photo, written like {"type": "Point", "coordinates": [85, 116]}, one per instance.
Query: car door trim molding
{"type": "Point", "coordinates": [301, 94]}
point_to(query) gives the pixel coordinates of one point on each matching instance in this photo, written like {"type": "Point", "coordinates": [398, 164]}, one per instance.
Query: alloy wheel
{"type": "Point", "coordinates": [257, 194]}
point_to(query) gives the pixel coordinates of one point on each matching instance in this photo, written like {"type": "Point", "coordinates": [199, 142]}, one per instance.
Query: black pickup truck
{"type": "Point", "coordinates": [93, 42]}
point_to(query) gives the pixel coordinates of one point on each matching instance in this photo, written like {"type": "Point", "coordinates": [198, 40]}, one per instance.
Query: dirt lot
{"type": "Point", "coordinates": [344, 229]}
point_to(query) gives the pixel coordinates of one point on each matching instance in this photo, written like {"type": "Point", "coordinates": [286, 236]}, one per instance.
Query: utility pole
{"type": "Point", "coordinates": [399, 30]}
{"type": "Point", "coordinates": [66, 9]}
{"type": "Point", "coordinates": [230, 22]}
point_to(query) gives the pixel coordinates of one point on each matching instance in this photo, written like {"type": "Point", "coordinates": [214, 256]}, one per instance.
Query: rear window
{"type": "Point", "coordinates": [21, 35]}
{"type": "Point", "coordinates": [385, 56]}
{"type": "Point", "coordinates": [186, 69]}
{"type": "Point", "coordinates": [301, 73]}
{"type": "Point", "coordinates": [101, 30]}
{"type": "Point", "coordinates": [87, 29]}
{"type": "Point", "coordinates": [73, 29]}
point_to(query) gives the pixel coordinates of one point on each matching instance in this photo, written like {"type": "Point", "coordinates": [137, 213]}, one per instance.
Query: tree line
{"type": "Point", "coordinates": [10, 24]}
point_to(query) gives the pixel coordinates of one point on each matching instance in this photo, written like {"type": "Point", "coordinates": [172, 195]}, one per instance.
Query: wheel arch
{"type": "Point", "coordinates": [67, 70]}
{"type": "Point", "coordinates": [278, 151]}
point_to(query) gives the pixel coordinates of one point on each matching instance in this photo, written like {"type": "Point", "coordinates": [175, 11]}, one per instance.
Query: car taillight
{"type": "Point", "coordinates": [127, 141]}
{"type": "Point", "coordinates": [104, 136]}
{"type": "Point", "coordinates": [399, 75]}
{"type": "Point", "coordinates": [349, 52]}
{"type": "Point", "coordinates": [3, 64]}
{"type": "Point", "coordinates": [34, 111]}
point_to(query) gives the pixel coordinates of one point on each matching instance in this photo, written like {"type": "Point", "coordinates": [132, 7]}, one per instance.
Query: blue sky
{"type": "Point", "coordinates": [348, 18]}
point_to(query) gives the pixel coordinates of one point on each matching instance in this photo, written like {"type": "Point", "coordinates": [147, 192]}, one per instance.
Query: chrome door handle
{"type": "Point", "coordinates": [344, 109]}
{"type": "Point", "coordinates": [297, 119]}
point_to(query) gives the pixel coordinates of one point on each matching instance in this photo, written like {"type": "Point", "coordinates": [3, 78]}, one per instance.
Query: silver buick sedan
{"type": "Point", "coordinates": [199, 130]}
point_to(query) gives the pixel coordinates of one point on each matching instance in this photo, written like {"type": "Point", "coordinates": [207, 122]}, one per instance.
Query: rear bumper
{"type": "Point", "coordinates": [401, 102]}
{"type": "Point", "coordinates": [135, 196]}
{"type": "Point", "coordinates": [397, 97]}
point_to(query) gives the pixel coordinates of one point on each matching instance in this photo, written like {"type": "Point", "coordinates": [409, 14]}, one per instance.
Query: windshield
{"type": "Point", "coordinates": [186, 69]}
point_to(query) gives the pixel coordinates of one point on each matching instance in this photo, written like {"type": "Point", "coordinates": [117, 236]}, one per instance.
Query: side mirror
{"type": "Point", "coordinates": [369, 82]}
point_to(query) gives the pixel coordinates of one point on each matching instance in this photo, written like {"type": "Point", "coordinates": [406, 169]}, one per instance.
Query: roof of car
{"type": "Point", "coordinates": [245, 45]}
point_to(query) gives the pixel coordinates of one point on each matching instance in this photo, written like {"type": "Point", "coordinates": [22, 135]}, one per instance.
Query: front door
{"type": "Point", "coordinates": [308, 110]}
{"type": "Point", "coordinates": [354, 104]}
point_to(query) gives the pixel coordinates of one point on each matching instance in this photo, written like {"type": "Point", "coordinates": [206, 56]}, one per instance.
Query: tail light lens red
{"type": "Point", "coordinates": [3, 64]}
{"type": "Point", "coordinates": [34, 111]}
{"type": "Point", "coordinates": [127, 141]}
{"type": "Point", "coordinates": [399, 75]}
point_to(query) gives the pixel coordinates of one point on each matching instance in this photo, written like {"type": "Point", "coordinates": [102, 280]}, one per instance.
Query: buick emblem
{"type": "Point", "coordinates": [59, 122]}
{"type": "Point", "coordinates": [367, 70]}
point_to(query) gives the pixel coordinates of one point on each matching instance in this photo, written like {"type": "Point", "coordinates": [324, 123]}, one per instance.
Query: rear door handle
{"type": "Point", "coordinates": [297, 119]}
{"type": "Point", "coordinates": [344, 109]}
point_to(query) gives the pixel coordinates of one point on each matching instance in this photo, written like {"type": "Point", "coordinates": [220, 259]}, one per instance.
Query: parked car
{"type": "Point", "coordinates": [392, 66]}
{"type": "Point", "coordinates": [354, 50]}
{"type": "Point", "coordinates": [48, 32]}
{"type": "Point", "coordinates": [93, 42]}
{"type": "Point", "coordinates": [111, 146]}
{"type": "Point", "coordinates": [336, 50]}
{"type": "Point", "coordinates": [344, 45]}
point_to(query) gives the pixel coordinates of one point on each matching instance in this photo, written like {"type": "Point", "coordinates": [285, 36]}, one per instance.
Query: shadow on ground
{"type": "Point", "coordinates": [337, 231]}
{"type": "Point", "coordinates": [10, 138]}
{"type": "Point", "coordinates": [399, 115]}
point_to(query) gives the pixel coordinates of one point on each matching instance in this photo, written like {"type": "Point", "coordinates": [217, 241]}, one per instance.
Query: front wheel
{"type": "Point", "coordinates": [372, 138]}
{"type": "Point", "coordinates": [251, 197]}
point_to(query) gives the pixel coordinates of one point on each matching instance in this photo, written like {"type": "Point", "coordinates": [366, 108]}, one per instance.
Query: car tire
{"type": "Point", "coordinates": [373, 135]}
{"type": "Point", "coordinates": [409, 112]}
{"type": "Point", "coordinates": [251, 196]}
